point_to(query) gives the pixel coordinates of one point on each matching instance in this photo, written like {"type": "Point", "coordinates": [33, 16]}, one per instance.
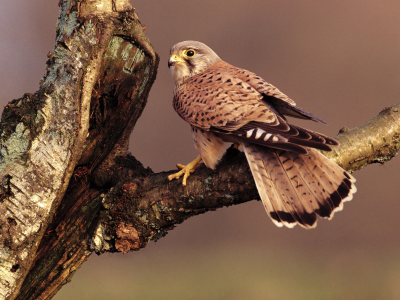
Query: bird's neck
{"type": "Point", "coordinates": [181, 81]}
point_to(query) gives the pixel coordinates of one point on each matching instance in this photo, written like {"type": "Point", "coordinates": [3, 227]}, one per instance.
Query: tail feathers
{"type": "Point", "coordinates": [268, 193]}
{"type": "Point", "coordinates": [295, 188]}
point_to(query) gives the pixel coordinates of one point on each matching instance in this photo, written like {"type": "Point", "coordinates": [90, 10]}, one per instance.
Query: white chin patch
{"type": "Point", "coordinates": [178, 72]}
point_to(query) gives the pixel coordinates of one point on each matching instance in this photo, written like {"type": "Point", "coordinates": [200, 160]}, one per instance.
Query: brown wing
{"type": "Point", "coordinates": [272, 97]}
{"type": "Point", "coordinates": [260, 85]}
{"type": "Point", "coordinates": [216, 98]}
{"type": "Point", "coordinates": [219, 101]}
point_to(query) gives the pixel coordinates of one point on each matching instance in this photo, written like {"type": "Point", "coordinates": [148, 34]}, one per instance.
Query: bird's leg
{"type": "Point", "coordinates": [186, 170]}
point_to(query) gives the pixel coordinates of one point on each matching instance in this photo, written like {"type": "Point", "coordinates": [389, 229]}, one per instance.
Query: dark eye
{"type": "Point", "coordinates": [190, 53]}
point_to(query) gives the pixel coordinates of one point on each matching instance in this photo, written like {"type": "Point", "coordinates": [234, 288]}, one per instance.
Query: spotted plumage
{"type": "Point", "coordinates": [225, 104]}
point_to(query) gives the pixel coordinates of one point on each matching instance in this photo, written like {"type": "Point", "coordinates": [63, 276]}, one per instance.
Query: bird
{"type": "Point", "coordinates": [227, 105]}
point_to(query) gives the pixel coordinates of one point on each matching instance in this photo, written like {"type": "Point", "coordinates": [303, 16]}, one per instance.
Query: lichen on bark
{"type": "Point", "coordinates": [44, 134]}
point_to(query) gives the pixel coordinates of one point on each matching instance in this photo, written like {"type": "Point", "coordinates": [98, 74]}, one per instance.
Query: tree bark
{"type": "Point", "coordinates": [70, 187]}
{"type": "Point", "coordinates": [97, 81]}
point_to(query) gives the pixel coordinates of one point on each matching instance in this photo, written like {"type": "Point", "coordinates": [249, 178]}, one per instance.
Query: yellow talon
{"type": "Point", "coordinates": [186, 170]}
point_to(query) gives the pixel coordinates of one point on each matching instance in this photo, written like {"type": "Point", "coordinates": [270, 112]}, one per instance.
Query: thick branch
{"type": "Point", "coordinates": [147, 207]}
{"type": "Point", "coordinates": [142, 206]}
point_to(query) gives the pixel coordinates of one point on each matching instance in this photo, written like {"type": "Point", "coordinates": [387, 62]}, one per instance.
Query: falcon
{"type": "Point", "coordinates": [226, 105]}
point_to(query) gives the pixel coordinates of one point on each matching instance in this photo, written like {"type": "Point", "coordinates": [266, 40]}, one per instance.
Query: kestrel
{"type": "Point", "coordinates": [224, 104]}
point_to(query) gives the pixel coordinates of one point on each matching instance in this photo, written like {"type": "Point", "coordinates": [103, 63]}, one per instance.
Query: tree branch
{"type": "Point", "coordinates": [142, 206]}
{"type": "Point", "coordinates": [376, 141]}
{"type": "Point", "coordinates": [150, 206]}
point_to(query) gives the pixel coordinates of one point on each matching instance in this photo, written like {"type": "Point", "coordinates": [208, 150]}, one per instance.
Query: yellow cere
{"type": "Point", "coordinates": [176, 58]}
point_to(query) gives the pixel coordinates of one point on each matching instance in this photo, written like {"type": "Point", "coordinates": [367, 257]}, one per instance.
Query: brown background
{"type": "Point", "coordinates": [337, 59]}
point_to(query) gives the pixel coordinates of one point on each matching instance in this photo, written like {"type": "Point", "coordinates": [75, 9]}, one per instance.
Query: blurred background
{"type": "Point", "coordinates": [337, 59]}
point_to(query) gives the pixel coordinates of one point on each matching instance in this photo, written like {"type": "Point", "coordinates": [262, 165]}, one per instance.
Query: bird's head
{"type": "Point", "coordinates": [190, 58]}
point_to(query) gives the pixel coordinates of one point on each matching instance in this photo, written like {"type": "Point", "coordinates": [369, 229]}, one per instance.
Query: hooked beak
{"type": "Point", "coordinates": [173, 60]}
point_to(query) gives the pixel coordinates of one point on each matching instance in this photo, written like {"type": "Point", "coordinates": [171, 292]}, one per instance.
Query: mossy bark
{"type": "Point", "coordinates": [95, 88]}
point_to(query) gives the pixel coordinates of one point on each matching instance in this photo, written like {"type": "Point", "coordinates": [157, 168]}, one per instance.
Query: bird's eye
{"type": "Point", "coordinates": [190, 53]}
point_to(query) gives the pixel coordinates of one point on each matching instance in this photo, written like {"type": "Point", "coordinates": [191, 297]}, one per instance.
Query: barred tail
{"type": "Point", "coordinates": [295, 188]}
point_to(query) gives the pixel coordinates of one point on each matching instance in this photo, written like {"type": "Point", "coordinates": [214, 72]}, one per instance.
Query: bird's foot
{"type": "Point", "coordinates": [186, 170]}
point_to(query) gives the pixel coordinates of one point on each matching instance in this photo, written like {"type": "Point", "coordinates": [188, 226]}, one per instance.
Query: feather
{"type": "Point", "coordinates": [279, 214]}
{"type": "Point", "coordinates": [296, 187]}
{"type": "Point", "coordinates": [210, 147]}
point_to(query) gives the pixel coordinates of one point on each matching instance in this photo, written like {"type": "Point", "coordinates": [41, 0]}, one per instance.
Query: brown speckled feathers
{"type": "Point", "coordinates": [225, 105]}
